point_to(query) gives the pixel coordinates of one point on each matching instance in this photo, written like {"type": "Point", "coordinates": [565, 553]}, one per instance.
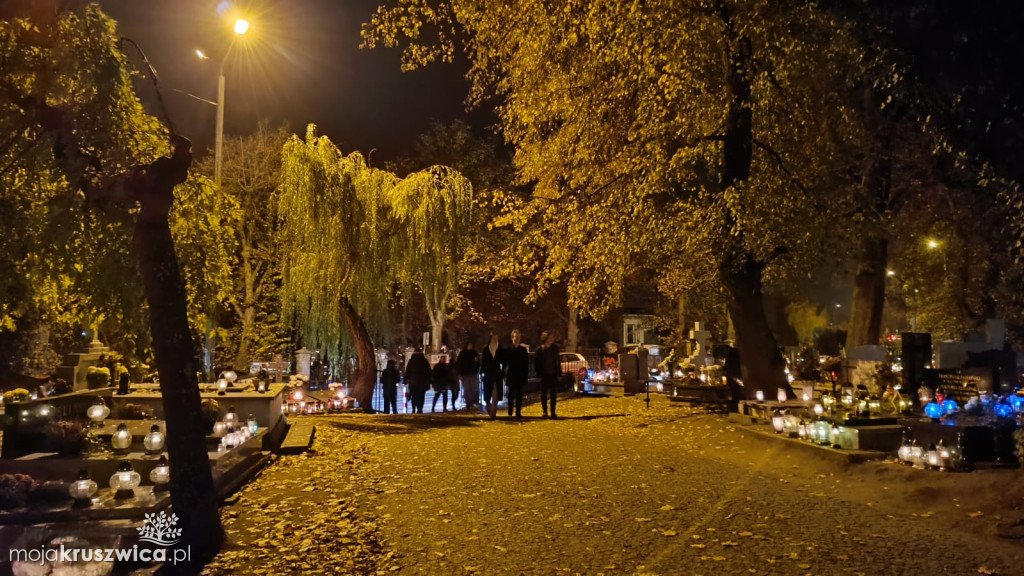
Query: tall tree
{"type": "Point", "coordinates": [251, 174]}
{"type": "Point", "coordinates": [336, 241]}
{"type": "Point", "coordinates": [67, 93]}
{"type": "Point", "coordinates": [434, 208]}
{"type": "Point", "coordinates": [657, 133]}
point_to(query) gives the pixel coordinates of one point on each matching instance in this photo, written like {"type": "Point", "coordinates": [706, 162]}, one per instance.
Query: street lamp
{"type": "Point", "coordinates": [241, 27]}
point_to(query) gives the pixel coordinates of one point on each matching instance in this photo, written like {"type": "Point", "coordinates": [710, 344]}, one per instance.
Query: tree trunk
{"type": "Point", "coordinates": [762, 365]}
{"type": "Point", "coordinates": [572, 338]}
{"type": "Point", "coordinates": [244, 342]}
{"type": "Point", "coordinates": [366, 369]}
{"type": "Point", "coordinates": [868, 295]}
{"type": "Point", "coordinates": [192, 491]}
{"type": "Point", "coordinates": [436, 330]}
{"type": "Point", "coordinates": [868, 301]}
{"type": "Point", "coordinates": [242, 359]}
{"type": "Point", "coordinates": [760, 359]}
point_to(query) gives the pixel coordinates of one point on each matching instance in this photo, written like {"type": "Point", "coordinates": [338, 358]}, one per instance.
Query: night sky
{"type": "Point", "coordinates": [300, 63]}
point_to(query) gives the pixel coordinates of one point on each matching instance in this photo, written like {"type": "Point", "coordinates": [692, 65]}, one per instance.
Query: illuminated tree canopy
{"type": "Point", "coordinates": [659, 135]}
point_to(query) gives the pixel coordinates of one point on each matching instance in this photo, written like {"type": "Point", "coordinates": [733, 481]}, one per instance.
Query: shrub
{"type": "Point", "coordinates": [61, 386]}
{"type": "Point", "coordinates": [14, 490]}
{"type": "Point", "coordinates": [66, 437]}
{"type": "Point", "coordinates": [97, 377]}
{"type": "Point", "coordinates": [16, 395]}
{"type": "Point", "coordinates": [132, 412]}
{"type": "Point", "coordinates": [211, 413]}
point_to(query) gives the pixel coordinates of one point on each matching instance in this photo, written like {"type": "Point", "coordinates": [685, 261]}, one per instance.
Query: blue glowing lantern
{"type": "Point", "coordinates": [949, 406]}
{"type": "Point", "coordinates": [1003, 410]}
{"type": "Point", "coordinates": [933, 410]}
{"type": "Point", "coordinates": [1015, 402]}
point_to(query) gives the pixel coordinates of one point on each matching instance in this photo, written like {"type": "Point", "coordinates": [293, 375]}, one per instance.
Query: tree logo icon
{"type": "Point", "coordinates": [159, 529]}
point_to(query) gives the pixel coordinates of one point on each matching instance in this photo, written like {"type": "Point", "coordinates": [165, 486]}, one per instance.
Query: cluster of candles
{"type": "Point", "coordinates": [123, 481]}
{"type": "Point", "coordinates": [232, 432]}
{"type": "Point", "coordinates": [818, 431]}
{"type": "Point", "coordinates": [936, 456]}
{"type": "Point", "coordinates": [121, 439]}
{"type": "Point", "coordinates": [821, 431]}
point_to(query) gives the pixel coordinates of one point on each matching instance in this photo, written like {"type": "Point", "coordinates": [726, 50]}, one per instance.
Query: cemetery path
{"type": "Point", "coordinates": [610, 488]}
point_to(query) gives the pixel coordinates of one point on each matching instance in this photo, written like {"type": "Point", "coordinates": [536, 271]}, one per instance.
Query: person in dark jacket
{"type": "Point", "coordinates": [493, 363]}
{"type": "Point", "coordinates": [549, 368]}
{"type": "Point", "coordinates": [417, 378]}
{"type": "Point", "coordinates": [389, 383]}
{"type": "Point", "coordinates": [469, 373]}
{"type": "Point", "coordinates": [518, 372]}
{"type": "Point", "coordinates": [441, 381]}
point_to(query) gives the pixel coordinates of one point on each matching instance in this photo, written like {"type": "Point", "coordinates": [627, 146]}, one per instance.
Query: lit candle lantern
{"type": "Point", "coordinates": [122, 438]}
{"type": "Point", "coordinates": [917, 455]}
{"type": "Point", "coordinates": [98, 412]}
{"type": "Point", "coordinates": [781, 395]}
{"type": "Point", "coordinates": [934, 410]}
{"type": "Point", "coordinates": [231, 417]}
{"type": "Point", "coordinates": [759, 396]}
{"type": "Point", "coordinates": [219, 429]}
{"type": "Point", "coordinates": [45, 411]}
{"type": "Point", "coordinates": [949, 406]}
{"type": "Point", "coordinates": [801, 429]}
{"type": "Point", "coordinates": [154, 441]}
{"type": "Point", "coordinates": [778, 421]}
{"type": "Point", "coordinates": [261, 387]}
{"type": "Point", "coordinates": [222, 386]}
{"type": "Point", "coordinates": [931, 456]}
{"type": "Point", "coordinates": [943, 455]}
{"type": "Point", "coordinates": [251, 423]}
{"type": "Point", "coordinates": [230, 376]}
{"type": "Point", "coordinates": [818, 409]}
{"type": "Point", "coordinates": [125, 480]}
{"type": "Point", "coordinates": [836, 437]}
{"type": "Point", "coordinates": [904, 452]}
{"type": "Point", "coordinates": [161, 474]}
{"type": "Point", "coordinates": [82, 489]}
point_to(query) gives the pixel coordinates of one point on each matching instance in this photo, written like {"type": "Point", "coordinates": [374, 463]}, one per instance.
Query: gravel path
{"type": "Point", "coordinates": [609, 488]}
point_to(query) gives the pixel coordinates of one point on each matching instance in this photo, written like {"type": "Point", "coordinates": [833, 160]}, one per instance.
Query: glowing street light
{"type": "Point", "coordinates": [241, 28]}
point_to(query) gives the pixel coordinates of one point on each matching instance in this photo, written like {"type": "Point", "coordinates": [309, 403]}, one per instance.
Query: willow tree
{"type": "Point", "coordinates": [71, 118]}
{"type": "Point", "coordinates": [656, 134]}
{"type": "Point", "coordinates": [432, 208]}
{"type": "Point", "coordinates": [336, 245]}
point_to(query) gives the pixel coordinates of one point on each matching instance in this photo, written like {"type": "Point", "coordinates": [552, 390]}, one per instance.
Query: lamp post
{"type": "Point", "coordinates": [241, 27]}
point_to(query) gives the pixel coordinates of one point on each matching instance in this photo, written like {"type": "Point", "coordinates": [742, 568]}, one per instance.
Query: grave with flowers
{"type": "Point", "coordinates": [96, 454]}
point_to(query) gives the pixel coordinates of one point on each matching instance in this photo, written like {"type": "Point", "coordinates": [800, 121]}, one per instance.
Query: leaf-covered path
{"type": "Point", "coordinates": [610, 488]}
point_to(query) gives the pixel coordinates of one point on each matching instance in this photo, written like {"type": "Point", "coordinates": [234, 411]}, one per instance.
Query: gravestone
{"type": "Point", "coordinates": [702, 351]}
{"type": "Point", "coordinates": [302, 361]}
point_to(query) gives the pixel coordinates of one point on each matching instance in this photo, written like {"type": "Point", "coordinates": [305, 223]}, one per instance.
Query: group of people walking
{"type": "Point", "coordinates": [497, 368]}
